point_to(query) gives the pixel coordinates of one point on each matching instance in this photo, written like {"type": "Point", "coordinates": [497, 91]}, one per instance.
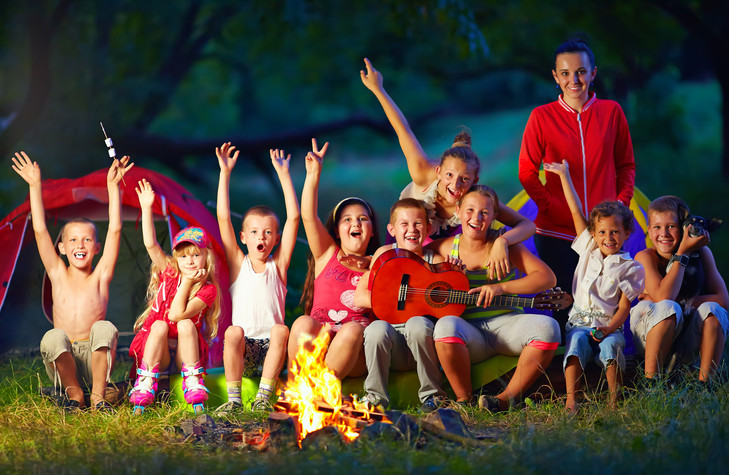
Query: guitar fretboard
{"type": "Point", "coordinates": [450, 296]}
{"type": "Point", "coordinates": [461, 297]}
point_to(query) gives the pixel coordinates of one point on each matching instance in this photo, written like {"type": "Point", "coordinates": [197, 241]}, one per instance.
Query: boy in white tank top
{"type": "Point", "coordinates": [257, 338]}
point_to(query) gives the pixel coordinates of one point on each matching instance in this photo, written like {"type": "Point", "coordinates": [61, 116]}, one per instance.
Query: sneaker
{"type": "Point", "coordinates": [228, 408]}
{"type": "Point", "coordinates": [71, 406]}
{"type": "Point", "coordinates": [54, 394]}
{"type": "Point", "coordinates": [260, 404]}
{"type": "Point", "coordinates": [471, 402]}
{"type": "Point", "coordinates": [103, 406]}
{"type": "Point", "coordinates": [372, 403]}
{"type": "Point", "coordinates": [431, 404]}
{"type": "Point", "coordinates": [490, 403]}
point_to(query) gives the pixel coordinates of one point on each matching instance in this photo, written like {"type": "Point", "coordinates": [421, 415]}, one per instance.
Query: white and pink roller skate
{"type": "Point", "coordinates": [193, 387]}
{"type": "Point", "coordinates": [142, 394]}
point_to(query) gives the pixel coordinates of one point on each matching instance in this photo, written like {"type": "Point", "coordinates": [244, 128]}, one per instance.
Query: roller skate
{"type": "Point", "coordinates": [142, 394]}
{"type": "Point", "coordinates": [193, 387]}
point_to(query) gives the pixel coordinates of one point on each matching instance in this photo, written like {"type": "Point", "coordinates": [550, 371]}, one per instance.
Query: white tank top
{"type": "Point", "coordinates": [258, 299]}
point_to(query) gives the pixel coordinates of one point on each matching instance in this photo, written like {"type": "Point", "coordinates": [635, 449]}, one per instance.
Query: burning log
{"type": "Point", "coordinates": [313, 394]}
{"type": "Point", "coordinates": [282, 431]}
{"type": "Point", "coordinates": [328, 437]}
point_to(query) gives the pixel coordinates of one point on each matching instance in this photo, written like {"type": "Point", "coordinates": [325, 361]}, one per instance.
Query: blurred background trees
{"type": "Point", "coordinates": [171, 80]}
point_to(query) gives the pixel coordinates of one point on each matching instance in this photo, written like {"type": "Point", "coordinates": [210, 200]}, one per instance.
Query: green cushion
{"type": "Point", "coordinates": [403, 387]}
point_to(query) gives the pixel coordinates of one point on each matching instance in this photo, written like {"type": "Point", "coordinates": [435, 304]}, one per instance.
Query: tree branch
{"type": "Point", "coordinates": [40, 34]}
{"type": "Point", "coordinates": [183, 55]}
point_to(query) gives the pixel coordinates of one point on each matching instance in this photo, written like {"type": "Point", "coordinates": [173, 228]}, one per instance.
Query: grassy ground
{"type": "Point", "coordinates": [665, 429]}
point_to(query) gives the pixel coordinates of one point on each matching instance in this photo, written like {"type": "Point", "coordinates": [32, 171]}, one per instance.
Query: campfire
{"type": "Point", "coordinates": [312, 395]}
{"type": "Point", "coordinates": [312, 413]}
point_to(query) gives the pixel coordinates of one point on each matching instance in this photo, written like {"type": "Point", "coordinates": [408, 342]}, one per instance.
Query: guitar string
{"type": "Point", "coordinates": [461, 295]}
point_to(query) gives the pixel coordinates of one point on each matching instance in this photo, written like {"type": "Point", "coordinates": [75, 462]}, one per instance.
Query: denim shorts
{"type": "Point", "coordinates": [581, 344]}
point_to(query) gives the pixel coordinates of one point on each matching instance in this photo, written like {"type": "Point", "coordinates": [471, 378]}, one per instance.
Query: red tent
{"type": "Point", "coordinates": [88, 197]}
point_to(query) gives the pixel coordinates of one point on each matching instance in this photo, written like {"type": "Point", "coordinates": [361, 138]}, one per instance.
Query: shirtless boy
{"type": "Point", "coordinates": [81, 347]}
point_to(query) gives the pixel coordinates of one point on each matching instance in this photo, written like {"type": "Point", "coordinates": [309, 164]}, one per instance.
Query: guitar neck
{"type": "Point", "coordinates": [461, 297]}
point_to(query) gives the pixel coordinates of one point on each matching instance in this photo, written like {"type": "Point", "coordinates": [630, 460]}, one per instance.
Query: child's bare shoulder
{"type": "Point", "coordinates": [647, 256]}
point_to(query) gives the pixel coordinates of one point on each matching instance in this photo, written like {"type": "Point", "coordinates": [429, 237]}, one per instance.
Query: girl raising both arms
{"type": "Point", "coordinates": [340, 252]}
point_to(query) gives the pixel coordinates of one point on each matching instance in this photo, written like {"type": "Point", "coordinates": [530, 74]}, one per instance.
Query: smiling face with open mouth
{"type": "Point", "coordinates": [476, 212]}
{"type": "Point", "coordinates": [354, 229]}
{"type": "Point", "coordinates": [609, 235]}
{"type": "Point", "coordinates": [409, 228]}
{"type": "Point", "coordinates": [665, 232]}
{"type": "Point", "coordinates": [79, 244]}
{"type": "Point", "coordinates": [456, 177]}
{"type": "Point", "coordinates": [260, 234]}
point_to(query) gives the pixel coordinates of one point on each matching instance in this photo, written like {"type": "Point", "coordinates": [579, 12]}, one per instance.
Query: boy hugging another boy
{"type": "Point", "coordinates": [684, 306]}
{"type": "Point", "coordinates": [80, 349]}
{"type": "Point", "coordinates": [258, 336]}
{"type": "Point", "coordinates": [409, 345]}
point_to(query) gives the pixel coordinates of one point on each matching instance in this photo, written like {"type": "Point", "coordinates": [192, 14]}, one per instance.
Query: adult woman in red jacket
{"type": "Point", "coordinates": [592, 135]}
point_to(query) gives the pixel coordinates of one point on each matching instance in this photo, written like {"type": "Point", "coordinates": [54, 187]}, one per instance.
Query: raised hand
{"type": "Point", "coordinates": [145, 193]}
{"type": "Point", "coordinates": [225, 160]}
{"type": "Point", "coordinates": [561, 169]}
{"type": "Point", "coordinates": [118, 169]}
{"type": "Point", "coordinates": [26, 168]}
{"type": "Point", "coordinates": [315, 158]}
{"type": "Point", "coordinates": [280, 163]}
{"type": "Point", "coordinates": [372, 79]}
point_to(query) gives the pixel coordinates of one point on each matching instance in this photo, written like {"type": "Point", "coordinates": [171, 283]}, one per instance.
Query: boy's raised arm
{"type": "Point", "coordinates": [30, 172]}
{"type": "Point", "coordinates": [293, 214]}
{"type": "Point", "coordinates": [422, 171]}
{"type": "Point", "coordinates": [146, 200]}
{"type": "Point", "coordinates": [573, 201]}
{"type": "Point", "coordinates": [117, 170]}
{"type": "Point", "coordinates": [233, 253]}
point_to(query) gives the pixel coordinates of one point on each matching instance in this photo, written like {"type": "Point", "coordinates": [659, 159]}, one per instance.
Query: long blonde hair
{"type": "Point", "coordinates": [213, 312]}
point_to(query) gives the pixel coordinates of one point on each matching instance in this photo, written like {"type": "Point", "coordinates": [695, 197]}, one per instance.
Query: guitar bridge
{"type": "Point", "coordinates": [402, 294]}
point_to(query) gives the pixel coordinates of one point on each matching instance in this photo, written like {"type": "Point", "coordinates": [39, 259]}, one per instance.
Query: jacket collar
{"type": "Point", "coordinates": [592, 97]}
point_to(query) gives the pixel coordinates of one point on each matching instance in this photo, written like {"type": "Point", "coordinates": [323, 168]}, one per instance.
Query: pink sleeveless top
{"type": "Point", "coordinates": [334, 296]}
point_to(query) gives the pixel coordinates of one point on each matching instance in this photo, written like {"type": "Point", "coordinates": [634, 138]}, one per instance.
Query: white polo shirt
{"type": "Point", "coordinates": [600, 280]}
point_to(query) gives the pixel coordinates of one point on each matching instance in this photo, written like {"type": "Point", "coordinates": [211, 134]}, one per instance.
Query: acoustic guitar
{"type": "Point", "coordinates": [404, 285]}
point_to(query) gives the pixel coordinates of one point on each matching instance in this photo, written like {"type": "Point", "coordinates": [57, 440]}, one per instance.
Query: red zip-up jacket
{"type": "Point", "coordinates": [596, 144]}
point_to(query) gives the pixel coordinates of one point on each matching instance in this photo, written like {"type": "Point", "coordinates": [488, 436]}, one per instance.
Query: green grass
{"type": "Point", "coordinates": [662, 430]}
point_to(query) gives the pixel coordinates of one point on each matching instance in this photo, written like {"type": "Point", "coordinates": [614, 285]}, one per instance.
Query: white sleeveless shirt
{"type": "Point", "coordinates": [258, 299]}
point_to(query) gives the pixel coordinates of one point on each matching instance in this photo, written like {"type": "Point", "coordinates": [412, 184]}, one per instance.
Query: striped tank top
{"type": "Point", "coordinates": [477, 278]}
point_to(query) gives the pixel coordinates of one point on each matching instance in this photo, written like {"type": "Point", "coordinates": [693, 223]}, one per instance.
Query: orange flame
{"type": "Point", "coordinates": [309, 383]}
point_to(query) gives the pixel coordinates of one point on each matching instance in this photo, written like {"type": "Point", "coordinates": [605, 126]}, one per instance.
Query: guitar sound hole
{"type": "Point", "coordinates": [436, 295]}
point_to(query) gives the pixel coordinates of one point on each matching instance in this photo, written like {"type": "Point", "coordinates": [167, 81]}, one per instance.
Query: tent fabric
{"type": "Point", "coordinates": [87, 196]}
{"type": "Point", "coordinates": [636, 242]}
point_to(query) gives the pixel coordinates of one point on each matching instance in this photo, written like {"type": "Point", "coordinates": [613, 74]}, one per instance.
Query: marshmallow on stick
{"type": "Point", "coordinates": [110, 145]}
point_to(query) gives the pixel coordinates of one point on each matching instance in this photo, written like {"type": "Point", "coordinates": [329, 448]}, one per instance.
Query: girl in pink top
{"type": "Point", "coordinates": [340, 252]}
